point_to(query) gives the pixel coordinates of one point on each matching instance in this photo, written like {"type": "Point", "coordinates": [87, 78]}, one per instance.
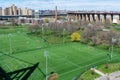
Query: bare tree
{"type": "Point", "coordinates": [107, 23]}
{"type": "Point", "coordinates": [33, 28]}
{"type": "Point", "coordinates": [89, 32]}
{"type": "Point", "coordinates": [14, 22]}
{"type": "Point", "coordinates": [95, 40]}
{"type": "Point", "coordinates": [106, 37]}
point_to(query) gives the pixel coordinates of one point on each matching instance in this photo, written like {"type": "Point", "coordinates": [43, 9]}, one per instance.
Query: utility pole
{"type": "Point", "coordinates": [56, 14]}
{"type": "Point", "coordinates": [46, 55]}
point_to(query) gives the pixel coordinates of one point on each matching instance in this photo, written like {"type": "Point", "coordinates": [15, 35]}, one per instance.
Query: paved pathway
{"type": "Point", "coordinates": [112, 76]}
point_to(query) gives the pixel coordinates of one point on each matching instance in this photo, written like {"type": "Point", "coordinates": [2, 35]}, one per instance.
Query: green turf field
{"type": "Point", "coordinates": [68, 59]}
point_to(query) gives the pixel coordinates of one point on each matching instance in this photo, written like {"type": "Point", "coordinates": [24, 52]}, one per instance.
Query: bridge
{"type": "Point", "coordinates": [6, 17]}
{"type": "Point", "coordinates": [92, 15]}
{"type": "Point", "coordinates": [12, 16]}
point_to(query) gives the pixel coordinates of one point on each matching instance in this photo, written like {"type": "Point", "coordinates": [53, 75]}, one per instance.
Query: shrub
{"type": "Point", "coordinates": [46, 20]}
{"type": "Point", "coordinates": [95, 40]}
{"type": "Point", "coordinates": [117, 49]}
{"type": "Point", "coordinates": [103, 46]}
{"type": "Point", "coordinates": [4, 27]}
{"type": "Point", "coordinates": [75, 37]}
{"type": "Point", "coordinates": [91, 44]}
{"type": "Point", "coordinates": [85, 41]}
{"type": "Point", "coordinates": [33, 28]}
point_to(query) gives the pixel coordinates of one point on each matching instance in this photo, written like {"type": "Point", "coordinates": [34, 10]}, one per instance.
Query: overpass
{"type": "Point", "coordinates": [92, 15]}
{"type": "Point", "coordinates": [6, 17]}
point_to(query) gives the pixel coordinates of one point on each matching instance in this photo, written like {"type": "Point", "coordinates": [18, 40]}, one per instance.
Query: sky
{"type": "Point", "coordinates": [101, 5]}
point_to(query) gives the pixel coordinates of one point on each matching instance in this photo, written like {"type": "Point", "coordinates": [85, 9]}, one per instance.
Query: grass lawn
{"type": "Point", "coordinates": [68, 59]}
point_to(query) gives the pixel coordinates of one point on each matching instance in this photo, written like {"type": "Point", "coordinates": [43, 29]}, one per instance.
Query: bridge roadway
{"type": "Point", "coordinates": [29, 16]}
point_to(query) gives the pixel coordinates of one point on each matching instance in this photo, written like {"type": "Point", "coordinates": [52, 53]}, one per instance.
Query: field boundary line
{"type": "Point", "coordinates": [71, 61]}
{"type": "Point", "coordinates": [81, 67]}
{"type": "Point", "coordinates": [20, 62]}
{"type": "Point", "coordinates": [8, 67]}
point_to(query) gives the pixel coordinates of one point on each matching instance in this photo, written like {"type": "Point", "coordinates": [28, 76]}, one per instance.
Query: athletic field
{"type": "Point", "coordinates": [19, 50]}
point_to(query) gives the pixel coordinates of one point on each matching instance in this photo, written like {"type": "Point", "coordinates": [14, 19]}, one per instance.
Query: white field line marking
{"type": "Point", "coordinates": [67, 60]}
{"type": "Point", "coordinates": [74, 63]}
{"type": "Point", "coordinates": [50, 68]}
{"type": "Point", "coordinates": [96, 53]}
{"type": "Point", "coordinates": [9, 67]}
{"type": "Point", "coordinates": [80, 67]}
{"type": "Point", "coordinates": [15, 66]}
{"type": "Point", "coordinates": [20, 62]}
{"type": "Point", "coordinates": [91, 59]}
{"type": "Point", "coordinates": [54, 58]}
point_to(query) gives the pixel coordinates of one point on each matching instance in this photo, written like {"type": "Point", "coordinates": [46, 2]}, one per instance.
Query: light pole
{"type": "Point", "coordinates": [113, 41]}
{"type": "Point", "coordinates": [63, 35]}
{"type": "Point", "coordinates": [10, 43]}
{"type": "Point", "coordinates": [46, 55]}
{"type": "Point", "coordinates": [42, 32]}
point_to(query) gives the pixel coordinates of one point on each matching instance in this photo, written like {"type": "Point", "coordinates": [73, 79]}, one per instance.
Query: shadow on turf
{"type": "Point", "coordinates": [24, 62]}
{"type": "Point", "coordinates": [22, 74]}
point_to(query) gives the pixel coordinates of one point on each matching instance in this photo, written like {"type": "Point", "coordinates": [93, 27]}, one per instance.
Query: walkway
{"type": "Point", "coordinates": [112, 76]}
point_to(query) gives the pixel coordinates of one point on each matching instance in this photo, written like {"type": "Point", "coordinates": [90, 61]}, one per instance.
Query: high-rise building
{"type": "Point", "coordinates": [25, 11]}
{"type": "Point", "coordinates": [3, 12]}
{"type": "Point", "coordinates": [10, 11]}
{"type": "Point", "coordinates": [0, 11]}
{"type": "Point", "coordinates": [7, 11]}
{"type": "Point", "coordinates": [14, 9]}
{"type": "Point", "coordinates": [30, 12]}
{"type": "Point", "coordinates": [19, 12]}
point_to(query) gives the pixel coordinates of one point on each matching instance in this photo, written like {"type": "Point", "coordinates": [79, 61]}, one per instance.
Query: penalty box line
{"type": "Point", "coordinates": [10, 69]}
{"type": "Point", "coordinates": [67, 60]}
{"type": "Point", "coordinates": [81, 67]}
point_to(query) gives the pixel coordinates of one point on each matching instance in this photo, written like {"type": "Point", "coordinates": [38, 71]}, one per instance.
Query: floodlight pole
{"type": "Point", "coordinates": [10, 43]}
{"type": "Point", "coordinates": [42, 31]}
{"type": "Point", "coordinates": [87, 31]}
{"type": "Point", "coordinates": [113, 41]}
{"type": "Point", "coordinates": [112, 50]}
{"type": "Point", "coordinates": [46, 55]}
{"type": "Point", "coordinates": [63, 35]}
